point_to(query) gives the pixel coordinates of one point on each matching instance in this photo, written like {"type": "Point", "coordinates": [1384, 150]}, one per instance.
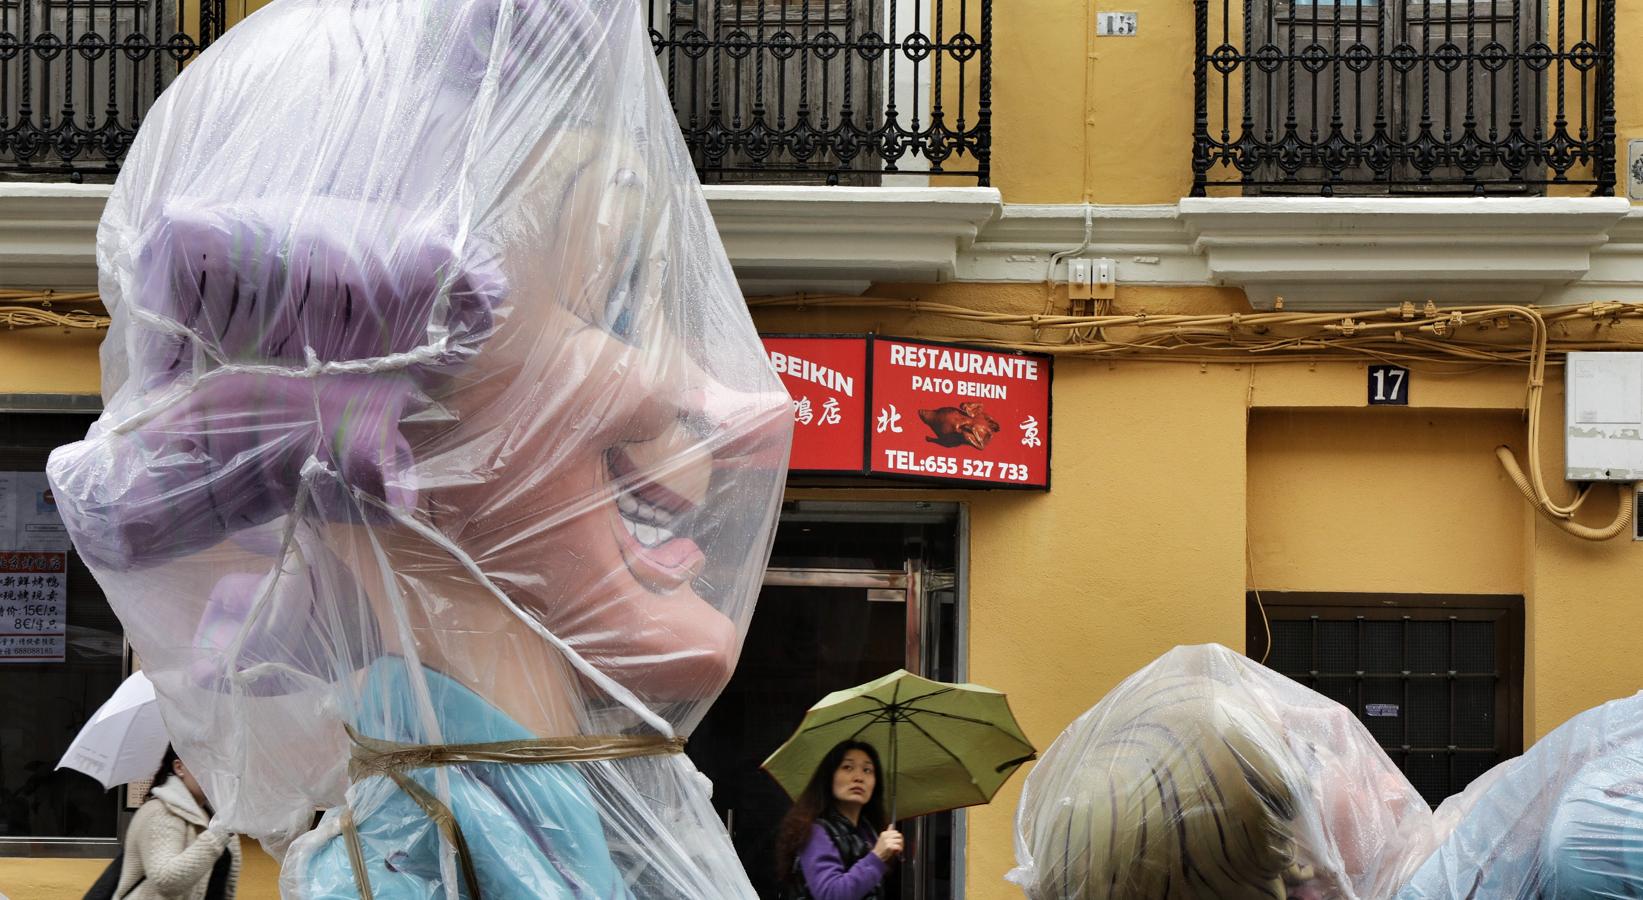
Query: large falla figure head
{"type": "Point", "coordinates": [424, 347]}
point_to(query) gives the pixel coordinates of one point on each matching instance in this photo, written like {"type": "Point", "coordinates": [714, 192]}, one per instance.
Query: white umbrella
{"type": "Point", "coordinates": [125, 740]}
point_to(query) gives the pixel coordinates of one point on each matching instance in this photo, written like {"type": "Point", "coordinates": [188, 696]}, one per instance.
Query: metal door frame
{"type": "Point", "coordinates": [32, 847]}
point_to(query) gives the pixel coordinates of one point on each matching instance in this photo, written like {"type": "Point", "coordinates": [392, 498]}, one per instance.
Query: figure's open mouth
{"type": "Point", "coordinates": [649, 519]}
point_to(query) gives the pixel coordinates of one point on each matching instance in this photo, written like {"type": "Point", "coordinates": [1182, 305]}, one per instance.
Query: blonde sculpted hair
{"type": "Point", "coordinates": [1176, 795]}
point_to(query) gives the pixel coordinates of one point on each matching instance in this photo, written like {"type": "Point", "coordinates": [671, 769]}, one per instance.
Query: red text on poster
{"type": "Point", "coordinates": [958, 413]}
{"type": "Point", "coordinates": [33, 606]}
{"type": "Point", "coordinates": [827, 378]}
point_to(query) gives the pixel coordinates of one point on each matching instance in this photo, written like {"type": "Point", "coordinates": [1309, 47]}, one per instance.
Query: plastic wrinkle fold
{"type": "Point", "coordinates": [432, 411]}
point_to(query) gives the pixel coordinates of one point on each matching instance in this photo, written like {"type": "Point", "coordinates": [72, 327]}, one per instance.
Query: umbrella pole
{"type": "Point", "coordinates": [894, 775]}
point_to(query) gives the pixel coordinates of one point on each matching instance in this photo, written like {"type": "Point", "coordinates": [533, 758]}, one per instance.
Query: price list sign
{"type": "Point", "coordinates": [33, 606]}
{"type": "Point", "coordinates": [961, 414]}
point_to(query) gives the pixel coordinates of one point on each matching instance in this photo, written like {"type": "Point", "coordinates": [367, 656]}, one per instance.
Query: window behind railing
{"type": "Point", "coordinates": [1404, 96]}
{"type": "Point", "coordinates": [861, 92]}
{"type": "Point", "coordinates": [77, 77]}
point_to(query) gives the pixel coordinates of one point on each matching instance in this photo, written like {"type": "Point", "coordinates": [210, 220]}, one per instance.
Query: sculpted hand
{"type": "Point", "coordinates": [889, 845]}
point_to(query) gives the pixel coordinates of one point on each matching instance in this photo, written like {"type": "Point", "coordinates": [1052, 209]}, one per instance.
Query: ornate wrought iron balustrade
{"type": "Point", "coordinates": [829, 91]}
{"type": "Point", "coordinates": [1404, 96]}
{"type": "Point", "coordinates": [77, 76]}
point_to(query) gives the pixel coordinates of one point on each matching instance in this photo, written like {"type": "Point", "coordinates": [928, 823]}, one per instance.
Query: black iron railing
{"type": "Point", "coordinates": [77, 76]}
{"type": "Point", "coordinates": [1357, 96]}
{"type": "Point", "coordinates": [829, 91]}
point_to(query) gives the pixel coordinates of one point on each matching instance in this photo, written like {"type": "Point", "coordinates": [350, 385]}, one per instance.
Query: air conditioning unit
{"type": "Point", "coordinates": [1603, 423]}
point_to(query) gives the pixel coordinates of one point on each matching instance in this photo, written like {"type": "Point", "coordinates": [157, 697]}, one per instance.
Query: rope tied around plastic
{"type": "Point", "coordinates": [369, 757]}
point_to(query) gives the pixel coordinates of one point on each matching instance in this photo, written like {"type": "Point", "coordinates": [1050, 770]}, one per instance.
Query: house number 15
{"type": "Point", "coordinates": [1388, 386]}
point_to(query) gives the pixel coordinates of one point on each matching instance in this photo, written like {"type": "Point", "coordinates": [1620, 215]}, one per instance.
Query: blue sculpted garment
{"type": "Point", "coordinates": [1594, 842]}
{"type": "Point", "coordinates": [1589, 835]}
{"type": "Point", "coordinates": [530, 829]}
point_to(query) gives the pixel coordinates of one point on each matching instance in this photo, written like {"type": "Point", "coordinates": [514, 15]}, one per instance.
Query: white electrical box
{"type": "Point", "coordinates": [1603, 422]}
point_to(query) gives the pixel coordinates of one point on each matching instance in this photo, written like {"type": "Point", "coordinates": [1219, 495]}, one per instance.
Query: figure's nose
{"type": "Point", "coordinates": [742, 427]}
{"type": "Point", "coordinates": [670, 392]}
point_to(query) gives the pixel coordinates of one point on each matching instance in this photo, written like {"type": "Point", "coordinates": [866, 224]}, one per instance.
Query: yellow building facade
{"type": "Point", "coordinates": [1195, 494]}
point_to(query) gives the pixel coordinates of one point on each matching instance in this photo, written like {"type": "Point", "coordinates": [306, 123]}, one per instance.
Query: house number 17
{"type": "Point", "coordinates": [1388, 386]}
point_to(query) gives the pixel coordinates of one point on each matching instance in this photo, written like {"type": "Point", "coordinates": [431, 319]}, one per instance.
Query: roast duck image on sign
{"type": "Point", "coordinates": [440, 460]}
{"type": "Point", "coordinates": [955, 426]}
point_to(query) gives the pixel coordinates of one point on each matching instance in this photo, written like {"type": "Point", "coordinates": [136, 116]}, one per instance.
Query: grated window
{"type": "Point", "coordinates": [1437, 679]}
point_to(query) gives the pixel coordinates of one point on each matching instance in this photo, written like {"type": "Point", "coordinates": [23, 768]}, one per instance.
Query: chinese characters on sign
{"type": "Point", "coordinates": [827, 378]}
{"type": "Point", "coordinates": [958, 413]}
{"type": "Point", "coordinates": [912, 409]}
{"type": "Point", "coordinates": [33, 606]}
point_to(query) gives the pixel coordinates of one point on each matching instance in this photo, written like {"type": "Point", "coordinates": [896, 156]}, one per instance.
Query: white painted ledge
{"type": "Point", "coordinates": [780, 239]}
{"type": "Point", "coordinates": [1351, 253]}
{"type": "Point", "coordinates": [48, 234]}
{"type": "Point", "coordinates": [1149, 243]}
{"type": "Point", "coordinates": [1317, 253]}
{"type": "Point", "coordinates": [789, 239]}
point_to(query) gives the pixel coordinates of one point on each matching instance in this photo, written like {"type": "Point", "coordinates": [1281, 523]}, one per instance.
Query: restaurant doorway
{"type": "Point", "coordinates": [854, 591]}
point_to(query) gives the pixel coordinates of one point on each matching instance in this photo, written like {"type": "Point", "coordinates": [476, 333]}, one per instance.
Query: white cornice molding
{"type": "Point", "coordinates": [1351, 253]}
{"type": "Point", "coordinates": [1617, 267]}
{"type": "Point", "coordinates": [1318, 253]}
{"type": "Point", "coordinates": [802, 238]}
{"type": "Point", "coordinates": [1149, 243]}
{"type": "Point", "coordinates": [48, 234]}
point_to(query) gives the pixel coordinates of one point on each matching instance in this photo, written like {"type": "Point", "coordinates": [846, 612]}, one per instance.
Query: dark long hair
{"type": "Point", "coordinates": [164, 771]}
{"type": "Point", "coordinates": [817, 800]}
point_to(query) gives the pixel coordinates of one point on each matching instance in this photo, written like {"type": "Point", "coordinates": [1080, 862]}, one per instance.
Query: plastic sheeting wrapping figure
{"type": "Point", "coordinates": [440, 459]}
{"type": "Point", "coordinates": [1206, 775]}
{"type": "Point", "coordinates": [1562, 821]}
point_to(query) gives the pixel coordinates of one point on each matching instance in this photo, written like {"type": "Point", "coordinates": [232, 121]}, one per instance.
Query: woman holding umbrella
{"type": "Point", "coordinates": [170, 849]}
{"type": "Point", "coordinates": [950, 746]}
{"type": "Point", "coordinates": [827, 848]}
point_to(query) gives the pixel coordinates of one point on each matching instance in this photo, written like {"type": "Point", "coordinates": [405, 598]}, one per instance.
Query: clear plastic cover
{"type": "Point", "coordinates": [1564, 820]}
{"type": "Point", "coordinates": [432, 410]}
{"type": "Point", "coordinates": [1207, 775]}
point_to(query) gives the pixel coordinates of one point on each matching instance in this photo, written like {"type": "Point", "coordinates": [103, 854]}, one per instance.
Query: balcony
{"type": "Point", "coordinates": [836, 92]}
{"type": "Point", "coordinates": [885, 101]}
{"type": "Point", "coordinates": [778, 92]}
{"type": "Point", "coordinates": [77, 76]}
{"type": "Point", "coordinates": [1475, 97]}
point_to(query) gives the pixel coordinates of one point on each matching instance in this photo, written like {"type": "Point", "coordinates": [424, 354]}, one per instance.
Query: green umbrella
{"type": "Point", "coordinates": [943, 746]}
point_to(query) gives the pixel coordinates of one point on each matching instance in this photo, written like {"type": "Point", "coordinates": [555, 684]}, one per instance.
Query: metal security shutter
{"type": "Point", "coordinates": [1437, 679]}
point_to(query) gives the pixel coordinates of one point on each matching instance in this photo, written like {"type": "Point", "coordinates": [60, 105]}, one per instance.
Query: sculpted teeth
{"type": "Point", "coordinates": [647, 532]}
{"type": "Point", "coordinates": [649, 524]}
{"type": "Point", "coordinates": [632, 507]}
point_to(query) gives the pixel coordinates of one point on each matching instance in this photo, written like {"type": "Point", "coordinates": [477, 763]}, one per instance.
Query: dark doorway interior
{"type": "Point", "coordinates": [846, 600]}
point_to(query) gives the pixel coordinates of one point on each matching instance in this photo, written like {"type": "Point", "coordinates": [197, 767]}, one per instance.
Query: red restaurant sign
{"type": "Point", "coordinates": [827, 378]}
{"type": "Point", "coordinates": [892, 407]}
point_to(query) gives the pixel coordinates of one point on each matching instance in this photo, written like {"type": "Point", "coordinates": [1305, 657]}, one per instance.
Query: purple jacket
{"type": "Point", "coordinates": [825, 872]}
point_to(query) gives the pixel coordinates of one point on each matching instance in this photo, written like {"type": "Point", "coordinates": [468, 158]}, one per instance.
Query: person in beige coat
{"type": "Point", "coordinates": [170, 853]}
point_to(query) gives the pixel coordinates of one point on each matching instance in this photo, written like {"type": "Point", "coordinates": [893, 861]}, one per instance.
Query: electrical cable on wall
{"type": "Point", "coordinates": [36, 308]}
